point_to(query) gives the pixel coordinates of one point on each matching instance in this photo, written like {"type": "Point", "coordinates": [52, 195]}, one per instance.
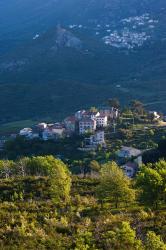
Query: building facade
{"type": "Point", "coordinates": [87, 125]}
{"type": "Point", "coordinates": [102, 121]}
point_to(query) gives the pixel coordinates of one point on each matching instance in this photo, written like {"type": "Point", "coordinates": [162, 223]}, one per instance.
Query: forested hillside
{"type": "Point", "coordinates": [114, 48]}
{"type": "Point", "coordinates": [44, 207]}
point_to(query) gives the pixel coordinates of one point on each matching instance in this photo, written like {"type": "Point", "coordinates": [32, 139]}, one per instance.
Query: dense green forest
{"type": "Point", "coordinates": [44, 206]}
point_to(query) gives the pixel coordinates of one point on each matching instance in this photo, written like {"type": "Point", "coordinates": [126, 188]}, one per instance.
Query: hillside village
{"type": "Point", "coordinates": [129, 33]}
{"type": "Point", "coordinates": [81, 123]}
{"type": "Point", "coordinates": [97, 128]}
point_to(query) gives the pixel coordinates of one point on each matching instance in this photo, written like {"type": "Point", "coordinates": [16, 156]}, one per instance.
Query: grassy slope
{"type": "Point", "coordinates": [14, 127]}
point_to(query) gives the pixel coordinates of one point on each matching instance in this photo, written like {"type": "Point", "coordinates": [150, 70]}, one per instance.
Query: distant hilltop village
{"type": "Point", "coordinates": [128, 33]}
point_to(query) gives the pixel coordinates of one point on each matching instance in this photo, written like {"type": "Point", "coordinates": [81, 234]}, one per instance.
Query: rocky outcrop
{"type": "Point", "coordinates": [65, 38]}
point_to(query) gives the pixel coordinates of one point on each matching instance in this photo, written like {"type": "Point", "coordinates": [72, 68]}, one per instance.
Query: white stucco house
{"type": "Point", "coordinates": [155, 115]}
{"type": "Point", "coordinates": [87, 125]}
{"type": "Point", "coordinates": [25, 132]}
{"type": "Point", "coordinates": [42, 125]}
{"type": "Point", "coordinates": [102, 121]}
{"type": "Point", "coordinates": [130, 153]}
{"type": "Point", "coordinates": [98, 138]}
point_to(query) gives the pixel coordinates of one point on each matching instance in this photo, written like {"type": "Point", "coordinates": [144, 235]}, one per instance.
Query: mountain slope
{"type": "Point", "coordinates": [101, 49]}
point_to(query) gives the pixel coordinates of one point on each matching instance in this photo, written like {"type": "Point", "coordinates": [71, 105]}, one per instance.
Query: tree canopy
{"type": "Point", "coordinates": [123, 237]}
{"type": "Point", "coordinates": [114, 185]}
{"type": "Point", "coordinates": [53, 168]}
{"type": "Point", "coordinates": [154, 242]}
{"type": "Point", "coordinates": [152, 183]}
{"type": "Point", "coordinates": [114, 102]}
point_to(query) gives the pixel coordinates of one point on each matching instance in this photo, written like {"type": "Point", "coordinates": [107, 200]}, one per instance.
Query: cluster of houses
{"type": "Point", "coordinates": [129, 33]}
{"type": "Point", "coordinates": [44, 131]}
{"type": "Point", "coordinates": [83, 122]}
{"type": "Point", "coordinates": [89, 121]}
{"type": "Point", "coordinates": [126, 39]}
{"type": "Point", "coordinates": [135, 31]}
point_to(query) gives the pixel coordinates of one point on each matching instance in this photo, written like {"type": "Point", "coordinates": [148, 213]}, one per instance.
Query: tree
{"type": "Point", "coordinates": [83, 167]}
{"type": "Point", "coordinates": [152, 183]}
{"type": "Point", "coordinates": [114, 103]}
{"type": "Point", "coordinates": [124, 238]}
{"type": "Point", "coordinates": [150, 133]}
{"type": "Point", "coordinates": [6, 168]}
{"type": "Point", "coordinates": [57, 171]}
{"type": "Point", "coordinates": [125, 133]}
{"type": "Point", "coordinates": [84, 240]}
{"type": "Point", "coordinates": [93, 109]}
{"type": "Point", "coordinates": [114, 185]}
{"type": "Point", "coordinates": [154, 242]}
{"type": "Point", "coordinates": [22, 166]}
{"type": "Point", "coordinates": [94, 166]}
{"type": "Point", "coordinates": [137, 107]}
